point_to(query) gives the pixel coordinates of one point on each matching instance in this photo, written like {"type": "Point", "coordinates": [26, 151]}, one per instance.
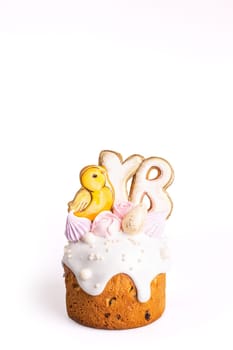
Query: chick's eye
{"type": "Point", "coordinates": [94, 175]}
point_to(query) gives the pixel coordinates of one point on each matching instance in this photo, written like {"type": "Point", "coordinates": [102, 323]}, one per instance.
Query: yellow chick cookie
{"type": "Point", "coordinates": [94, 196]}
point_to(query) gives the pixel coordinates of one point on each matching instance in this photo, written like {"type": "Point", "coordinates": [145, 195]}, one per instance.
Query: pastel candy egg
{"type": "Point", "coordinates": [134, 221]}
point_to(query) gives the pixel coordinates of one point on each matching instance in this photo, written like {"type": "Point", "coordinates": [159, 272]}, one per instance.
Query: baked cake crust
{"type": "Point", "coordinates": [117, 307]}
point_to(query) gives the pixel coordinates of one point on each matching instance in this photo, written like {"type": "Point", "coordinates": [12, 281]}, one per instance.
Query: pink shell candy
{"type": "Point", "coordinates": [121, 209]}
{"type": "Point", "coordinates": [106, 224]}
{"type": "Point", "coordinates": [76, 227]}
{"type": "Point", "coordinates": [154, 224]}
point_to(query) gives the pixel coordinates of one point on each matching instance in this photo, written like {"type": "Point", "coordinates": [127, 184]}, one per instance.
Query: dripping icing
{"type": "Point", "coordinates": [139, 256]}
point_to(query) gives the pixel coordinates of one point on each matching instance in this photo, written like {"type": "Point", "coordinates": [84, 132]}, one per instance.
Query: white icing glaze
{"type": "Point", "coordinates": [139, 256]}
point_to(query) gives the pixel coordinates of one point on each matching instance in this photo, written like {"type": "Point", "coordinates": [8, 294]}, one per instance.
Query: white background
{"type": "Point", "coordinates": [148, 77]}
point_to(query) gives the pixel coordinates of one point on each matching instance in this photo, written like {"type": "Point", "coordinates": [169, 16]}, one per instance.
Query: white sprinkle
{"type": "Point", "coordinates": [85, 274]}
{"type": "Point", "coordinates": [107, 250]}
{"type": "Point", "coordinates": [98, 257]}
{"type": "Point", "coordinates": [97, 285]}
{"type": "Point", "coordinates": [91, 257]}
{"type": "Point", "coordinates": [133, 241]}
{"type": "Point", "coordinates": [69, 256]}
{"type": "Point", "coordinates": [67, 249]}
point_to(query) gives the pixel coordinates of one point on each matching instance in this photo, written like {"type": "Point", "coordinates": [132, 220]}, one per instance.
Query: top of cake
{"type": "Point", "coordinates": [111, 229]}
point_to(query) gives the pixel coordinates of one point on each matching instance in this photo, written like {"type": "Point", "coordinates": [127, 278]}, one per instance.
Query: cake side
{"type": "Point", "coordinates": [117, 307]}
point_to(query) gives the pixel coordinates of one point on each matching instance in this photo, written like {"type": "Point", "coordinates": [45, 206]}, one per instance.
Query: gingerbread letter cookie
{"type": "Point", "coordinates": [119, 171]}
{"type": "Point", "coordinates": [155, 188]}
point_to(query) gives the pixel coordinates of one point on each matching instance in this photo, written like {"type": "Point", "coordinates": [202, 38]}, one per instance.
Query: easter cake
{"type": "Point", "coordinates": [116, 258]}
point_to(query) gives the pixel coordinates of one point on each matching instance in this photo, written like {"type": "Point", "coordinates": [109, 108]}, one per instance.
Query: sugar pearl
{"type": "Point", "coordinates": [91, 257]}
{"type": "Point", "coordinates": [85, 274]}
